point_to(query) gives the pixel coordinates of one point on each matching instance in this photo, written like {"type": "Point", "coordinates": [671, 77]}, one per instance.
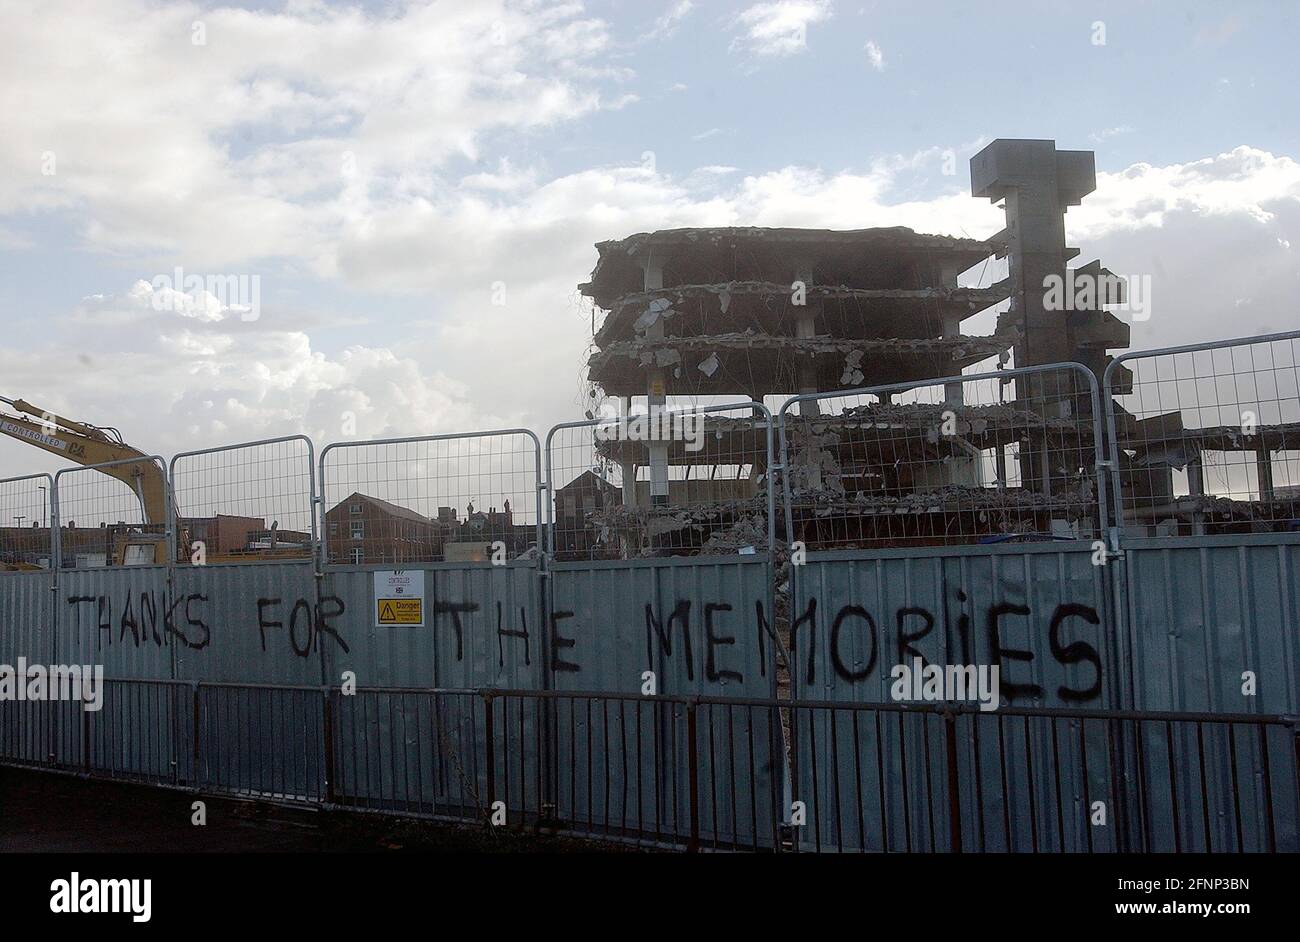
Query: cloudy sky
{"type": "Point", "coordinates": [385, 169]}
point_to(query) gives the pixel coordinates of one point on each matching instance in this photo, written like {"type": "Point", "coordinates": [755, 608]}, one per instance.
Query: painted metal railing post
{"type": "Point", "coordinates": [693, 773]}
{"type": "Point", "coordinates": [954, 787]}
{"type": "Point", "coordinates": [85, 741]}
{"type": "Point", "coordinates": [327, 732]}
{"type": "Point", "coordinates": [490, 752]}
{"type": "Point", "coordinates": [196, 732]}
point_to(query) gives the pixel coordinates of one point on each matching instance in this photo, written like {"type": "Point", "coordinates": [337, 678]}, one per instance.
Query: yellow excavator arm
{"type": "Point", "coordinates": [87, 444]}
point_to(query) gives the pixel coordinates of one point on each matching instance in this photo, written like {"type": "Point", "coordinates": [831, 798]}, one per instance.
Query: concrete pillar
{"type": "Point", "coordinates": [1196, 476]}
{"type": "Point", "coordinates": [953, 393]}
{"type": "Point", "coordinates": [656, 391]}
{"type": "Point", "coordinates": [1264, 466]}
{"type": "Point", "coordinates": [628, 466]}
{"type": "Point", "coordinates": [805, 326]}
{"type": "Point", "coordinates": [1196, 487]}
{"type": "Point", "coordinates": [1037, 183]}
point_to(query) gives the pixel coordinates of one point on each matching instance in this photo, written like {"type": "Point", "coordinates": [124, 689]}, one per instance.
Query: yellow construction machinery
{"type": "Point", "coordinates": [88, 444]}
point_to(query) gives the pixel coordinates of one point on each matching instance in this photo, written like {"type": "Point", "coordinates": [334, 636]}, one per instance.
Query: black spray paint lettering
{"type": "Point", "coordinates": [193, 634]}
{"type": "Point", "coordinates": [331, 606]}
{"type": "Point", "coordinates": [559, 665]}
{"type": "Point", "coordinates": [905, 650]}
{"type": "Point", "coordinates": [307, 624]}
{"type": "Point", "coordinates": [503, 633]}
{"type": "Point", "coordinates": [556, 645]}
{"type": "Point", "coordinates": [653, 626]}
{"type": "Point", "coordinates": [913, 624]}
{"type": "Point", "coordinates": [997, 653]}
{"type": "Point", "coordinates": [184, 620]}
{"type": "Point", "coordinates": [1076, 652]}
{"type": "Point", "coordinates": [809, 618]}
{"type": "Point", "coordinates": [455, 610]}
{"type": "Point", "coordinates": [856, 611]}
{"type": "Point", "coordinates": [663, 629]}
{"type": "Point", "coordinates": [713, 641]}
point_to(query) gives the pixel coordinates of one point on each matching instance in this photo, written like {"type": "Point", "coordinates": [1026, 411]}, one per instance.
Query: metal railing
{"type": "Point", "coordinates": [699, 773]}
{"type": "Point", "coordinates": [1007, 455]}
{"type": "Point", "coordinates": [1205, 438]}
{"type": "Point", "coordinates": [908, 777]}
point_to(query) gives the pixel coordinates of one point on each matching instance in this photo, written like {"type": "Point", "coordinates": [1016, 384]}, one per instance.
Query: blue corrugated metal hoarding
{"type": "Point", "coordinates": [27, 733]}
{"type": "Point", "coordinates": [1212, 626]}
{"type": "Point", "coordinates": [1037, 611]}
{"type": "Point", "coordinates": [422, 752]}
{"type": "Point", "coordinates": [701, 625]}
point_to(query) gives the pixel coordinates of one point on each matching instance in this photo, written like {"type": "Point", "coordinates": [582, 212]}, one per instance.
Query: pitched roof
{"type": "Point", "coordinates": [393, 510]}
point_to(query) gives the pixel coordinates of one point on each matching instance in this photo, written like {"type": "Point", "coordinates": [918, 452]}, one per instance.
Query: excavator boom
{"type": "Point", "coordinates": [87, 444]}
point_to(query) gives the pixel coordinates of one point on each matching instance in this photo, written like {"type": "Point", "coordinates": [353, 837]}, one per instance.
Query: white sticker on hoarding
{"type": "Point", "coordinates": [399, 598]}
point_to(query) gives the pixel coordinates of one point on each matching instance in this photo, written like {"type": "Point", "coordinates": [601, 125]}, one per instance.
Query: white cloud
{"type": "Point", "coordinates": [324, 138]}
{"type": "Point", "coordinates": [779, 27]}
{"type": "Point", "coordinates": [1245, 181]}
{"type": "Point", "coordinates": [172, 383]}
{"type": "Point", "coordinates": [668, 23]}
{"type": "Point", "coordinates": [233, 150]}
{"type": "Point", "coordinates": [1218, 33]}
{"type": "Point", "coordinates": [1106, 134]}
{"type": "Point", "coordinates": [874, 56]}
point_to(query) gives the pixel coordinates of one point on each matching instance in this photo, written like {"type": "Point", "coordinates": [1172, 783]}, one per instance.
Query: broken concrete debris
{"type": "Point", "coordinates": [762, 313]}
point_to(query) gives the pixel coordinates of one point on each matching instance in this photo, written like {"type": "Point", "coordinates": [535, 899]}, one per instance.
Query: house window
{"type": "Point", "coordinates": [358, 530]}
{"type": "Point", "coordinates": [357, 555]}
{"type": "Point", "coordinates": [334, 529]}
{"type": "Point", "coordinates": [354, 508]}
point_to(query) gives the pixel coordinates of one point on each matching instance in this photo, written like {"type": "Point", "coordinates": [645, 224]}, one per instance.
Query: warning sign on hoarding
{"type": "Point", "coordinates": [399, 598]}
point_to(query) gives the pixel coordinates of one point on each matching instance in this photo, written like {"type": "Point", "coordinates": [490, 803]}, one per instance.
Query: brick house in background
{"type": "Point", "coordinates": [474, 536]}
{"type": "Point", "coordinates": [223, 533]}
{"type": "Point", "coordinates": [576, 535]}
{"type": "Point", "coordinates": [362, 529]}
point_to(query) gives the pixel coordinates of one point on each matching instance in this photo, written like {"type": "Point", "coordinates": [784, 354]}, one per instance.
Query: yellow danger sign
{"type": "Point", "coordinates": [399, 598]}
{"type": "Point", "coordinates": [399, 611]}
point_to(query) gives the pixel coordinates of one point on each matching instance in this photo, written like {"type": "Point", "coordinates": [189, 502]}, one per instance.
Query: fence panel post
{"type": "Point", "coordinates": [490, 753]}
{"type": "Point", "coordinates": [692, 744]}
{"type": "Point", "coordinates": [85, 741]}
{"type": "Point", "coordinates": [954, 790]}
{"type": "Point", "coordinates": [327, 732]}
{"type": "Point", "coordinates": [196, 734]}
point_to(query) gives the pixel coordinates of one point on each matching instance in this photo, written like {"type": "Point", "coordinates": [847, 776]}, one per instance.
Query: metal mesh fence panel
{"type": "Point", "coordinates": [1206, 438]}
{"type": "Point", "coordinates": [246, 503]}
{"type": "Point", "coordinates": [986, 458]}
{"type": "Point", "coordinates": [662, 484]}
{"type": "Point", "coordinates": [26, 541]}
{"type": "Point", "coordinates": [445, 498]}
{"type": "Point", "coordinates": [113, 514]}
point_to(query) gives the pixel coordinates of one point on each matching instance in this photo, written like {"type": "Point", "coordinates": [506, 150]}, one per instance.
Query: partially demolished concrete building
{"type": "Point", "coordinates": [753, 313]}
